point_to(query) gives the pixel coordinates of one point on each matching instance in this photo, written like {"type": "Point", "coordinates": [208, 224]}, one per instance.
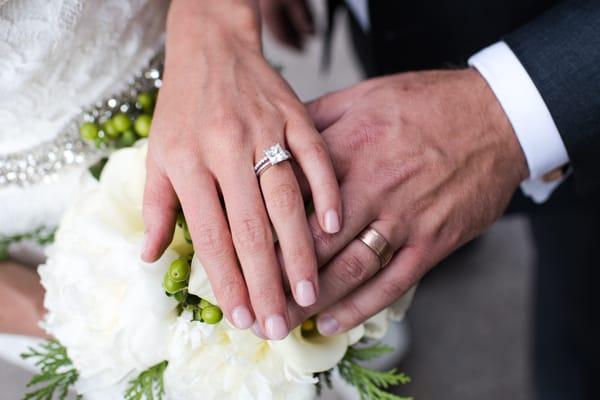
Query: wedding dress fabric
{"type": "Point", "coordinates": [58, 57]}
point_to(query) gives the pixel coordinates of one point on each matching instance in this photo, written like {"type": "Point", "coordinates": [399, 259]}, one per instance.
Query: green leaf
{"type": "Point", "coordinates": [149, 385]}
{"type": "Point", "coordinates": [370, 384]}
{"type": "Point", "coordinates": [57, 373]}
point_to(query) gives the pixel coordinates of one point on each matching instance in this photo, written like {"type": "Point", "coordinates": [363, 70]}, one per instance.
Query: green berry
{"type": "Point", "coordinates": [146, 101]}
{"type": "Point", "coordinates": [89, 130]}
{"type": "Point", "coordinates": [127, 139]}
{"type": "Point", "coordinates": [180, 270]}
{"type": "Point", "coordinates": [121, 122]}
{"type": "Point", "coordinates": [212, 315]}
{"type": "Point", "coordinates": [142, 125]}
{"type": "Point", "coordinates": [204, 303]}
{"type": "Point", "coordinates": [101, 142]}
{"type": "Point", "coordinates": [171, 286]}
{"type": "Point", "coordinates": [110, 129]}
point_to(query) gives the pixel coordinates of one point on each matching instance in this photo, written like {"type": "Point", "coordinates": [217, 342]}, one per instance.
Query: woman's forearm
{"type": "Point", "coordinates": [218, 22]}
{"type": "Point", "coordinates": [21, 300]}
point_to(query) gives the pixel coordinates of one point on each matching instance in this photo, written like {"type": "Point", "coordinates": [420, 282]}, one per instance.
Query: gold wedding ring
{"type": "Point", "coordinates": [378, 244]}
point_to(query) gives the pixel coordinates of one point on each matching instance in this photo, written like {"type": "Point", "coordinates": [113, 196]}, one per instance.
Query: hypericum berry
{"type": "Point", "coordinates": [127, 139]}
{"type": "Point", "coordinates": [171, 286]}
{"type": "Point", "coordinates": [110, 129]}
{"type": "Point", "coordinates": [211, 314]}
{"type": "Point", "coordinates": [89, 130]}
{"type": "Point", "coordinates": [121, 122]}
{"type": "Point", "coordinates": [204, 303]}
{"type": "Point", "coordinates": [180, 269]}
{"type": "Point", "coordinates": [146, 101]}
{"type": "Point", "coordinates": [142, 125]}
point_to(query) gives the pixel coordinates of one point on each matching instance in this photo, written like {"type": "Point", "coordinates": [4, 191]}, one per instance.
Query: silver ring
{"type": "Point", "coordinates": [273, 156]}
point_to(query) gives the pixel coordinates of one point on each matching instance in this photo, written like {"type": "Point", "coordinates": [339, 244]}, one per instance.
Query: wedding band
{"type": "Point", "coordinates": [273, 156]}
{"type": "Point", "coordinates": [376, 242]}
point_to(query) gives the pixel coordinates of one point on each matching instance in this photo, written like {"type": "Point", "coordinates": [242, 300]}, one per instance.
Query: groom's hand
{"type": "Point", "coordinates": [427, 159]}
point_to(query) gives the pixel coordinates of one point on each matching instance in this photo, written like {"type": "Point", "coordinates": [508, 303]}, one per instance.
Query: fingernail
{"type": "Point", "coordinates": [242, 318]}
{"type": "Point", "coordinates": [305, 293]}
{"type": "Point", "coordinates": [332, 222]}
{"type": "Point", "coordinates": [256, 330]}
{"type": "Point", "coordinates": [145, 243]}
{"type": "Point", "coordinates": [327, 325]}
{"type": "Point", "coordinates": [276, 327]}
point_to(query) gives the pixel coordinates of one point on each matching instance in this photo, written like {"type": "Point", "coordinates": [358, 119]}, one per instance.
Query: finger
{"type": "Point", "coordinates": [329, 108]}
{"type": "Point", "coordinates": [253, 240]}
{"type": "Point", "coordinates": [311, 153]}
{"type": "Point", "coordinates": [286, 210]}
{"type": "Point", "coordinates": [350, 269]}
{"type": "Point", "coordinates": [389, 285]}
{"type": "Point", "coordinates": [301, 16]}
{"type": "Point", "coordinates": [213, 244]}
{"type": "Point", "coordinates": [159, 211]}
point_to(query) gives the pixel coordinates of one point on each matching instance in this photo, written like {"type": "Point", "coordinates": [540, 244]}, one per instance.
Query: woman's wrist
{"type": "Point", "coordinates": [212, 25]}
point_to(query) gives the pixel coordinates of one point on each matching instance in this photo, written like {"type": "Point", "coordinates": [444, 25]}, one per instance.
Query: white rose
{"type": "Point", "coordinates": [104, 304]}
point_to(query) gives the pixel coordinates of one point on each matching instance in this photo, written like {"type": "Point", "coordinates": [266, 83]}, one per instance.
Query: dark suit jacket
{"type": "Point", "coordinates": [558, 43]}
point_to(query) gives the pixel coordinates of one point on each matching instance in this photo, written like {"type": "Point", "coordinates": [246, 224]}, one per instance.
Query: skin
{"type": "Point", "coordinates": [22, 299]}
{"type": "Point", "coordinates": [220, 106]}
{"type": "Point", "coordinates": [430, 161]}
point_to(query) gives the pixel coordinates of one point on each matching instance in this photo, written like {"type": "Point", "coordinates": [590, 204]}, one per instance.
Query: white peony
{"type": "Point", "coordinates": [104, 304]}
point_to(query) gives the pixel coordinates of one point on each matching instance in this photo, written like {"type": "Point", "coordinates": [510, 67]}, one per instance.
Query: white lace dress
{"type": "Point", "coordinates": [58, 57]}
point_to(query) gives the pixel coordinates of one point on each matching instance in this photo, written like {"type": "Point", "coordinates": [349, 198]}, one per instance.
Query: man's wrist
{"type": "Point", "coordinates": [495, 121]}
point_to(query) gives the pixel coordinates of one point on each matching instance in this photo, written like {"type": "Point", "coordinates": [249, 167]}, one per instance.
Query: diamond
{"type": "Point", "coordinates": [276, 154]}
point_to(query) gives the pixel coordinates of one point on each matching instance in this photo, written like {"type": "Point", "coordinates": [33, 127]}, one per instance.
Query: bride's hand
{"type": "Point", "coordinates": [429, 160]}
{"type": "Point", "coordinates": [220, 106]}
{"type": "Point", "coordinates": [21, 300]}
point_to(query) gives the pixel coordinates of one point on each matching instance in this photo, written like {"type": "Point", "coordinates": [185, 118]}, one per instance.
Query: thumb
{"type": "Point", "coordinates": [159, 211]}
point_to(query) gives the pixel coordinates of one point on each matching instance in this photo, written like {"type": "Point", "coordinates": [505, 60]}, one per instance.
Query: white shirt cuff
{"type": "Point", "coordinates": [530, 118]}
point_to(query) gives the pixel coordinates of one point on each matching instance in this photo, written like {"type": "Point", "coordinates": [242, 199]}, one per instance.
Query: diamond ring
{"type": "Point", "coordinates": [273, 156]}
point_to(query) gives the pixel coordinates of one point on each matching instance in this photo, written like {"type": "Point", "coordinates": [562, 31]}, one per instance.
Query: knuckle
{"type": "Point", "coordinates": [270, 295]}
{"type": "Point", "coordinates": [351, 270]}
{"type": "Point", "coordinates": [213, 241]}
{"type": "Point", "coordinates": [357, 314]}
{"type": "Point", "coordinates": [301, 256]}
{"type": "Point", "coordinates": [251, 235]}
{"type": "Point", "coordinates": [285, 197]}
{"type": "Point", "coordinates": [229, 286]}
{"type": "Point", "coordinates": [322, 240]}
{"type": "Point", "coordinates": [394, 288]}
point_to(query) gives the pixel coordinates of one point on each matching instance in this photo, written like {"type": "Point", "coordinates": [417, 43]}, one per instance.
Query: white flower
{"type": "Point", "coordinates": [226, 363]}
{"type": "Point", "coordinates": [104, 304]}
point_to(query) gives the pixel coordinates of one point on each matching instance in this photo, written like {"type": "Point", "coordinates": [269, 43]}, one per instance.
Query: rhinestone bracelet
{"type": "Point", "coordinates": [44, 162]}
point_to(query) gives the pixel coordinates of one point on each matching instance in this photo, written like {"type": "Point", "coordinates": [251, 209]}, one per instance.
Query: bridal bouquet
{"type": "Point", "coordinates": [125, 329]}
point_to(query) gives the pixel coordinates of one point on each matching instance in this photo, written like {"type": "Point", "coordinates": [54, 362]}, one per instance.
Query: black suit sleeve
{"type": "Point", "coordinates": [561, 52]}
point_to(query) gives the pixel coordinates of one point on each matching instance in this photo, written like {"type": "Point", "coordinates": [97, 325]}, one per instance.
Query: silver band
{"type": "Point", "coordinates": [273, 156]}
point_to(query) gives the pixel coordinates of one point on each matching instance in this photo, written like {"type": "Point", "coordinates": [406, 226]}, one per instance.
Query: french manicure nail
{"type": "Point", "coordinates": [332, 222]}
{"type": "Point", "coordinates": [305, 293]}
{"type": "Point", "coordinates": [327, 325]}
{"type": "Point", "coordinates": [276, 327]}
{"type": "Point", "coordinates": [242, 318]}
